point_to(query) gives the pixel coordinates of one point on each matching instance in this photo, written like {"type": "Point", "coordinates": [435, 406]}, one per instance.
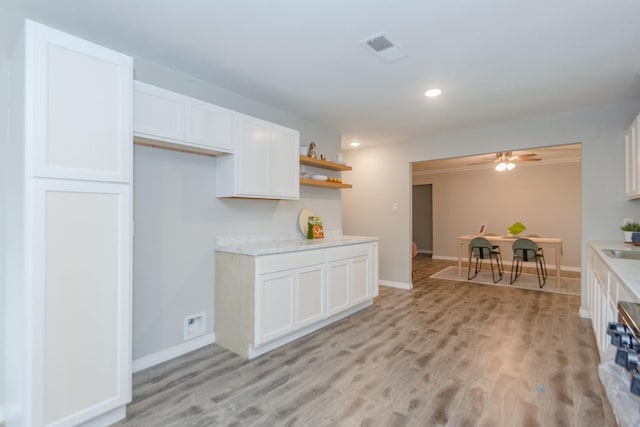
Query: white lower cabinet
{"type": "Point", "coordinates": [337, 286]}
{"type": "Point", "coordinates": [604, 291]}
{"type": "Point", "coordinates": [262, 302]}
{"type": "Point", "coordinates": [275, 305]}
{"type": "Point", "coordinates": [309, 295]}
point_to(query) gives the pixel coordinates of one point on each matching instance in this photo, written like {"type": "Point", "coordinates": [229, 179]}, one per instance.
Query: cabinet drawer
{"type": "Point", "coordinates": [349, 251]}
{"type": "Point", "coordinates": [290, 260]}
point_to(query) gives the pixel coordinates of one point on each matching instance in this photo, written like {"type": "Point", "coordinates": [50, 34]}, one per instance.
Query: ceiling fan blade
{"type": "Point", "coordinates": [526, 155]}
{"type": "Point", "coordinates": [529, 159]}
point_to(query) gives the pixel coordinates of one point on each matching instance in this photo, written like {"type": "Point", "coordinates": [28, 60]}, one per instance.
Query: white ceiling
{"type": "Point", "coordinates": [495, 60]}
{"type": "Point", "coordinates": [549, 155]}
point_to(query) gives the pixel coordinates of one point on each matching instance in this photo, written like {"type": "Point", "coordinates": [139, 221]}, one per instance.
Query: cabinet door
{"type": "Point", "coordinates": [358, 280]}
{"type": "Point", "coordinates": [284, 163]}
{"type": "Point", "coordinates": [337, 286]}
{"type": "Point", "coordinates": [632, 152]}
{"type": "Point", "coordinates": [158, 113]}
{"type": "Point", "coordinates": [252, 162]}
{"type": "Point", "coordinates": [79, 96]}
{"type": "Point", "coordinates": [309, 295]}
{"type": "Point", "coordinates": [81, 298]}
{"type": "Point", "coordinates": [209, 125]}
{"type": "Point", "coordinates": [275, 305]}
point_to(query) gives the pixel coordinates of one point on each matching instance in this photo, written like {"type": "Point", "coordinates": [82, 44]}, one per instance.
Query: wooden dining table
{"type": "Point", "coordinates": [543, 242]}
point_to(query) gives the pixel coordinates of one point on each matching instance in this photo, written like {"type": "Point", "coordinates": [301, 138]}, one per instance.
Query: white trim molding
{"type": "Point", "coordinates": [399, 285]}
{"type": "Point", "coordinates": [172, 352]}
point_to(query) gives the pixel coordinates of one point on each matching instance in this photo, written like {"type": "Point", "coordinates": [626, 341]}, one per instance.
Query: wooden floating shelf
{"type": "Point", "coordinates": [327, 184]}
{"type": "Point", "coordinates": [324, 164]}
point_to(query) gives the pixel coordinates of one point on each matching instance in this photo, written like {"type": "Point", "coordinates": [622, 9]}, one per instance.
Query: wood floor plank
{"type": "Point", "coordinates": [444, 353]}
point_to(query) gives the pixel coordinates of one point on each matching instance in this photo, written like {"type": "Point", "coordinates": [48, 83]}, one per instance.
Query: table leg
{"type": "Point", "coordinates": [558, 266]}
{"type": "Point", "coordinates": [459, 258]}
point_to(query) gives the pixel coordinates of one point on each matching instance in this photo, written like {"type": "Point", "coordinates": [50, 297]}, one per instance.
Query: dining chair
{"type": "Point", "coordinates": [480, 248]}
{"type": "Point", "coordinates": [526, 250]}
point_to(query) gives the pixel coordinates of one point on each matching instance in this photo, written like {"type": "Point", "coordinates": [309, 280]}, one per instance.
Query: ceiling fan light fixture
{"type": "Point", "coordinates": [510, 166]}
{"type": "Point", "coordinates": [355, 143]}
{"type": "Point", "coordinates": [501, 167]}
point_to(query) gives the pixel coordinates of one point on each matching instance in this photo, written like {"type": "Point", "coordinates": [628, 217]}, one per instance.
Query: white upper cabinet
{"type": "Point", "coordinates": [79, 99]}
{"type": "Point", "coordinates": [632, 147]}
{"type": "Point", "coordinates": [265, 163]}
{"type": "Point", "coordinates": [168, 119]}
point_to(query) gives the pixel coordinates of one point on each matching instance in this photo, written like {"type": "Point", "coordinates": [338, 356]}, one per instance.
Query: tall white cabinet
{"type": "Point", "coordinates": [67, 188]}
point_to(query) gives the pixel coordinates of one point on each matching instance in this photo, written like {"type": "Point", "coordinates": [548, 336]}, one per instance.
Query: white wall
{"type": "Point", "coordinates": [177, 217]}
{"type": "Point", "coordinates": [4, 113]}
{"type": "Point", "coordinates": [546, 198]}
{"type": "Point", "coordinates": [382, 175]}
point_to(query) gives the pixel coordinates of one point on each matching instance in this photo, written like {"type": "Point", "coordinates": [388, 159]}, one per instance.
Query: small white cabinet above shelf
{"type": "Point", "coordinates": [170, 120]}
{"type": "Point", "coordinates": [264, 165]}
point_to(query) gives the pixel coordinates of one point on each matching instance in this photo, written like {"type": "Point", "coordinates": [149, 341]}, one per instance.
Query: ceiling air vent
{"type": "Point", "coordinates": [382, 47]}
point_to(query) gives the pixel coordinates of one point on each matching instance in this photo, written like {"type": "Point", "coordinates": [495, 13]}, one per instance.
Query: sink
{"type": "Point", "coordinates": [616, 253]}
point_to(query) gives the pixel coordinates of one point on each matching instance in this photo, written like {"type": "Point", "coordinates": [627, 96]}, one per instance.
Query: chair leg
{"type": "Point", "coordinates": [469, 276]}
{"type": "Point", "coordinates": [540, 271]}
{"type": "Point", "coordinates": [493, 275]}
{"type": "Point", "coordinates": [513, 278]}
{"type": "Point", "coordinates": [518, 269]}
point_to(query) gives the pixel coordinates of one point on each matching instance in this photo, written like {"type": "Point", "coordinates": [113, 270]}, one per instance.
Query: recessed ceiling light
{"type": "Point", "coordinates": [355, 143]}
{"type": "Point", "coordinates": [433, 92]}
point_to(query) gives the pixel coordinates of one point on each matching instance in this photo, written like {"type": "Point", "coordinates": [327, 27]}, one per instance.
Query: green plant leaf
{"type": "Point", "coordinates": [517, 228]}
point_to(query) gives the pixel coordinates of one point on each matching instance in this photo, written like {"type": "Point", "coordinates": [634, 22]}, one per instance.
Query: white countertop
{"type": "Point", "coordinates": [628, 270]}
{"type": "Point", "coordinates": [291, 245]}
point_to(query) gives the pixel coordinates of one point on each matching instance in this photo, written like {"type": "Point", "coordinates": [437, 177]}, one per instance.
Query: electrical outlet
{"type": "Point", "coordinates": [194, 325]}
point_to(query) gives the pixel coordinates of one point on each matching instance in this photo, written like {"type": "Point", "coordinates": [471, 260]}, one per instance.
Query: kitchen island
{"type": "Point", "coordinates": [269, 293]}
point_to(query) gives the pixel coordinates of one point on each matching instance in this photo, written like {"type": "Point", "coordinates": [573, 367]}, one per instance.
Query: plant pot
{"type": "Point", "coordinates": [628, 236]}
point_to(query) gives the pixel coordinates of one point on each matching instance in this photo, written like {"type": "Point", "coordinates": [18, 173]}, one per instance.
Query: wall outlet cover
{"type": "Point", "coordinates": [194, 325]}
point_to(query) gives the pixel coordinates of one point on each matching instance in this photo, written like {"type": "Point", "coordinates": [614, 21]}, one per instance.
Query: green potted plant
{"type": "Point", "coordinates": [629, 228]}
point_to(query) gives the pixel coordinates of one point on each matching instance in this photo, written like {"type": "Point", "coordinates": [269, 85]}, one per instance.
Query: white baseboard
{"type": "Point", "coordinates": [399, 285]}
{"type": "Point", "coordinates": [172, 352]}
{"type": "Point", "coordinates": [446, 258]}
{"type": "Point", "coordinates": [425, 251]}
{"type": "Point", "coordinates": [584, 313]}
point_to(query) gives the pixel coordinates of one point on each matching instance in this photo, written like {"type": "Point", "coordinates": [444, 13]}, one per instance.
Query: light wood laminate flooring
{"type": "Point", "coordinates": [443, 353]}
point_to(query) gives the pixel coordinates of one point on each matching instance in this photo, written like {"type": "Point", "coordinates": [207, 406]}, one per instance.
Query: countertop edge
{"type": "Point", "coordinates": [628, 271]}
{"type": "Point", "coordinates": [294, 245]}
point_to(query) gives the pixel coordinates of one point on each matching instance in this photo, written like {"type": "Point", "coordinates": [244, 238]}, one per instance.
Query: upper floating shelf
{"type": "Point", "coordinates": [309, 161]}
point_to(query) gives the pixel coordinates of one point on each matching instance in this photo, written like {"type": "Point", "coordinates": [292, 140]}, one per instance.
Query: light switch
{"type": "Point", "coordinates": [394, 207]}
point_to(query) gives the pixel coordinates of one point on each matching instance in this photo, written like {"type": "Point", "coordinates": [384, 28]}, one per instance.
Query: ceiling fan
{"type": "Point", "coordinates": [506, 160]}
